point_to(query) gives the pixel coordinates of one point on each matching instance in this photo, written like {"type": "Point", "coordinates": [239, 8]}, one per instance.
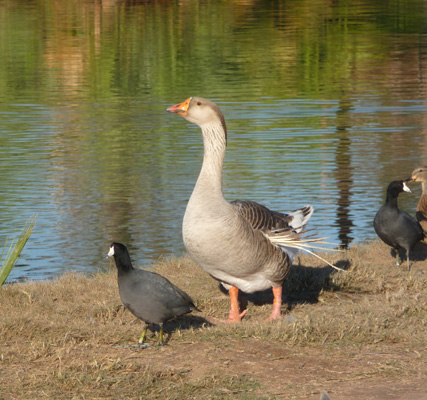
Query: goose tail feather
{"type": "Point", "coordinates": [290, 239]}
{"type": "Point", "coordinates": [300, 218]}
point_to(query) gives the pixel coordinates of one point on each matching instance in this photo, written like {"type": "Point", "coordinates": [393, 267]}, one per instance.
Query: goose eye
{"type": "Point", "coordinates": [198, 103]}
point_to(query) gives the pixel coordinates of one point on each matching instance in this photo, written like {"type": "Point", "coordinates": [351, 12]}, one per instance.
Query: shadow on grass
{"type": "Point", "coordinates": [184, 322]}
{"type": "Point", "coordinates": [418, 253]}
{"type": "Point", "coordinates": [303, 285]}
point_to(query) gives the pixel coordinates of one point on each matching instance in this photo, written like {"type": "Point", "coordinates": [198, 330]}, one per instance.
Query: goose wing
{"type": "Point", "coordinates": [264, 219]}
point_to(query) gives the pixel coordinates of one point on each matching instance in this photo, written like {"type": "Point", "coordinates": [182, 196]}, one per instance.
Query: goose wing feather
{"type": "Point", "coordinates": [264, 219]}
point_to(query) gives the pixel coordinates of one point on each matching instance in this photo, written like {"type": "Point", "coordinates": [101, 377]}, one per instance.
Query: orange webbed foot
{"type": "Point", "coordinates": [235, 315]}
{"type": "Point", "coordinates": [232, 318]}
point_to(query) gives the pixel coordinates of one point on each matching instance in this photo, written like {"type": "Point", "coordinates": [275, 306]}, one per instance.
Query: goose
{"type": "Point", "coordinates": [420, 175]}
{"type": "Point", "coordinates": [235, 242]}
{"type": "Point", "coordinates": [395, 227]}
{"type": "Point", "coordinates": [147, 295]}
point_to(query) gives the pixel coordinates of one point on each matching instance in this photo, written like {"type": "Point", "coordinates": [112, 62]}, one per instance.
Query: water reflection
{"type": "Point", "coordinates": [325, 105]}
{"type": "Point", "coordinates": [343, 174]}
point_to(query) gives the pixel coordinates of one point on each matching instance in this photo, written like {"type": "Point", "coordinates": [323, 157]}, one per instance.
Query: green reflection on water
{"type": "Point", "coordinates": [314, 95]}
{"type": "Point", "coordinates": [64, 50]}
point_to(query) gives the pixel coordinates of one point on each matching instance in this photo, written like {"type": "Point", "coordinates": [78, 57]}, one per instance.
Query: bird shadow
{"type": "Point", "coordinates": [303, 286]}
{"type": "Point", "coordinates": [184, 322]}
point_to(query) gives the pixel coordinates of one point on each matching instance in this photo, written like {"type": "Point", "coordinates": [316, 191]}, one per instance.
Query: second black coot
{"type": "Point", "coordinates": [396, 227]}
{"type": "Point", "coordinates": [149, 296]}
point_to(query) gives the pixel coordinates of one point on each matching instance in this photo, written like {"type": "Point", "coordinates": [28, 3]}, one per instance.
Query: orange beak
{"type": "Point", "coordinates": [180, 108]}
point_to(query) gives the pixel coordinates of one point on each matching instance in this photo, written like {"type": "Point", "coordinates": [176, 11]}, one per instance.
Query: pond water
{"type": "Point", "coordinates": [325, 104]}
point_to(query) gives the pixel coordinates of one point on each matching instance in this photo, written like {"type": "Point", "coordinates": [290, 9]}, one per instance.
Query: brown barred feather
{"type": "Point", "coordinates": [260, 217]}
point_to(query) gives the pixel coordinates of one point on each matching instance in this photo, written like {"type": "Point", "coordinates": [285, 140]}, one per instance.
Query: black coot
{"type": "Point", "coordinates": [149, 296]}
{"type": "Point", "coordinates": [396, 227]}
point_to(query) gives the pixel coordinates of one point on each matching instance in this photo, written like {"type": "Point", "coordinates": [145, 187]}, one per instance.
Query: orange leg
{"type": "Point", "coordinates": [277, 304]}
{"type": "Point", "coordinates": [235, 314]}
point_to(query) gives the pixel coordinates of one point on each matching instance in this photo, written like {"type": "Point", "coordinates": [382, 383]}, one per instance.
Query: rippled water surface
{"type": "Point", "coordinates": [325, 104]}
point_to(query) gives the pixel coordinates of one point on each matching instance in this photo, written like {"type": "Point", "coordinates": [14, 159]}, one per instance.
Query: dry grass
{"type": "Point", "coordinates": [68, 338]}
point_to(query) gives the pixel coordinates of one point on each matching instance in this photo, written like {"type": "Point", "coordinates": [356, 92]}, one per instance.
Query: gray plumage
{"type": "Point", "coordinates": [395, 227]}
{"type": "Point", "coordinates": [149, 296]}
{"type": "Point", "coordinates": [230, 240]}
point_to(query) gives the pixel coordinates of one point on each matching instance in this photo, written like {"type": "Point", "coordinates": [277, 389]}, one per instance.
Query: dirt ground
{"type": "Point", "coordinates": [355, 335]}
{"type": "Point", "coordinates": [286, 372]}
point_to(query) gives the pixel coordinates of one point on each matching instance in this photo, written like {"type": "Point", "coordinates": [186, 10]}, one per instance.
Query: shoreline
{"type": "Point", "coordinates": [350, 334]}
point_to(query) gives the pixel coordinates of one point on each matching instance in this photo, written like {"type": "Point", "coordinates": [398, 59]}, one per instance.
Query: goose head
{"type": "Point", "coordinates": [201, 112]}
{"type": "Point", "coordinates": [419, 174]}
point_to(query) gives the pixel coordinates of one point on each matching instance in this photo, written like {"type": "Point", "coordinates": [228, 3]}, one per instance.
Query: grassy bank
{"type": "Point", "coordinates": [359, 334]}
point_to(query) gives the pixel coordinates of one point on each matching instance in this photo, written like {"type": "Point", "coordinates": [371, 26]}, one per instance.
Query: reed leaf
{"type": "Point", "coordinates": [15, 249]}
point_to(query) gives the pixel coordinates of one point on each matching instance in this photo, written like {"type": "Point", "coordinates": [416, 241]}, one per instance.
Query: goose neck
{"type": "Point", "coordinates": [214, 142]}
